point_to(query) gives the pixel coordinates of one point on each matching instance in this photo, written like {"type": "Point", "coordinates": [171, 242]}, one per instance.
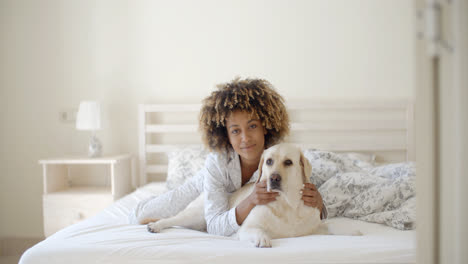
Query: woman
{"type": "Point", "coordinates": [238, 121]}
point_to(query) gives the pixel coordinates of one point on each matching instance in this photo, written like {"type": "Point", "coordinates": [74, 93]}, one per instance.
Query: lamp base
{"type": "Point", "coordinates": [95, 147]}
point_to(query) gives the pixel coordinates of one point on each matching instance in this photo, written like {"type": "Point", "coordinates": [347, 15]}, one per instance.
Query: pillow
{"type": "Point", "coordinates": [184, 163]}
{"type": "Point", "coordinates": [326, 164]}
{"type": "Point", "coordinates": [395, 170]}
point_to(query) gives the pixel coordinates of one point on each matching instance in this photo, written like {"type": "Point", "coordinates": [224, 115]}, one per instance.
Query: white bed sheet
{"type": "Point", "coordinates": [108, 238]}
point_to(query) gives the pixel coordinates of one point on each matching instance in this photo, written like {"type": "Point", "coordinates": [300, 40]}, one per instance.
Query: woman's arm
{"type": "Point", "coordinates": [220, 219]}
{"type": "Point", "coordinates": [312, 197]}
{"type": "Point", "coordinates": [167, 204]}
{"type": "Point", "coordinates": [259, 195]}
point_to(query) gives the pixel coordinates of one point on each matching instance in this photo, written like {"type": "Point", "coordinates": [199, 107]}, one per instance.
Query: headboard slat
{"type": "Point", "coordinates": [171, 128]}
{"type": "Point", "coordinates": [165, 148]}
{"type": "Point", "coordinates": [353, 125]}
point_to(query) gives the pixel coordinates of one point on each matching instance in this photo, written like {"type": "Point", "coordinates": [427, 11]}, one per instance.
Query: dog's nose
{"type": "Point", "coordinates": [275, 177]}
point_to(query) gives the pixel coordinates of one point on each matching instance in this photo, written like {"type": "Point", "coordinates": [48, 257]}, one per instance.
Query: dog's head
{"type": "Point", "coordinates": [285, 168]}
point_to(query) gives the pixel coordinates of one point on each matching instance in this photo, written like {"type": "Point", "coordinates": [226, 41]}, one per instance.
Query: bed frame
{"type": "Point", "coordinates": [382, 128]}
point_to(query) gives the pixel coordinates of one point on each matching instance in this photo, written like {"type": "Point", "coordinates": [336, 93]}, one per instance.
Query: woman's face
{"type": "Point", "coordinates": [246, 135]}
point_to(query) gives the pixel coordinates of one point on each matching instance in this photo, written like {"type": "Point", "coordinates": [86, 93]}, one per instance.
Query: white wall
{"type": "Point", "coordinates": [121, 52]}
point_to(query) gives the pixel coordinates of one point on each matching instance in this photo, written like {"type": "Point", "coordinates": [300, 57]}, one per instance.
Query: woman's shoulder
{"type": "Point", "coordinates": [221, 158]}
{"type": "Point", "coordinates": [221, 168]}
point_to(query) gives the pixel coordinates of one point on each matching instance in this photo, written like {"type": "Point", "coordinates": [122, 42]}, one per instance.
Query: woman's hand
{"type": "Point", "coordinates": [260, 195]}
{"type": "Point", "coordinates": [311, 196]}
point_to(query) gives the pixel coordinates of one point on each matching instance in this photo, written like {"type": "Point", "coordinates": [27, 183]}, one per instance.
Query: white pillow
{"type": "Point", "coordinates": [184, 163]}
{"type": "Point", "coordinates": [326, 164]}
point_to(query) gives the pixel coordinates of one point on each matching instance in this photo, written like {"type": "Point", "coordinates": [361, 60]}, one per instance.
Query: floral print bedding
{"type": "Point", "coordinates": [352, 186]}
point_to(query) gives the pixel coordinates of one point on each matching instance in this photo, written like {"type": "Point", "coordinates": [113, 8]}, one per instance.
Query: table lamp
{"type": "Point", "coordinates": [89, 118]}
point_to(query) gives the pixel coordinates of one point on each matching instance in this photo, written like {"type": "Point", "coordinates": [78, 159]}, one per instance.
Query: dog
{"type": "Point", "coordinates": [285, 169]}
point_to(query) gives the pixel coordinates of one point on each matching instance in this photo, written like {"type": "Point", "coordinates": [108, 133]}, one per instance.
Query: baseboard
{"type": "Point", "coordinates": [13, 246]}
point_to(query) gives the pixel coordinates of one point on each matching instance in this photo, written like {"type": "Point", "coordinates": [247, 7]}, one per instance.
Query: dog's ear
{"type": "Point", "coordinates": [260, 166]}
{"type": "Point", "coordinates": [306, 168]}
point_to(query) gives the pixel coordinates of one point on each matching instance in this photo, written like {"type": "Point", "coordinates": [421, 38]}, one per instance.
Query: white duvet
{"type": "Point", "coordinates": [108, 238]}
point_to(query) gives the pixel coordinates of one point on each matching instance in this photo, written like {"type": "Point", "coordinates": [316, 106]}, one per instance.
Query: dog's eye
{"type": "Point", "coordinates": [269, 162]}
{"type": "Point", "coordinates": [288, 162]}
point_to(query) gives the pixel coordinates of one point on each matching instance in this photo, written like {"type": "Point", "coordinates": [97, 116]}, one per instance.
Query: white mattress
{"type": "Point", "coordinates": [107, 238]}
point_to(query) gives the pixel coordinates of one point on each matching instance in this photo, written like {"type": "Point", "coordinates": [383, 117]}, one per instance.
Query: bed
{"type": "Point", "coordinates": [337, 137]}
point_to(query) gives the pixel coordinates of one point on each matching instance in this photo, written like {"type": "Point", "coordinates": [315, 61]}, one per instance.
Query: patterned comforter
{"type": "Point", "coordinates": [351, 186]}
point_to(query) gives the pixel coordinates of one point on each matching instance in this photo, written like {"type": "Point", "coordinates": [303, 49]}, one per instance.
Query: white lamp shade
{"type": "Point", "coordinates": [89, 116]}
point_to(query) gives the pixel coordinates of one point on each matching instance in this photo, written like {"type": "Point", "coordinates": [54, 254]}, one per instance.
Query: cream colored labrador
{"type": "Point", "coordinates": [285, 169]}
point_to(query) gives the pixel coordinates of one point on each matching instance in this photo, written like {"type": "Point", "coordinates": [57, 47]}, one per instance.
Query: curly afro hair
{"type": "Point", "coordinates": [255, 96]}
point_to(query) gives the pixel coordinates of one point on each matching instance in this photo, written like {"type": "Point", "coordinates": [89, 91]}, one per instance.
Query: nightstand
{"type": "Point", "coordinates": [76, 188]}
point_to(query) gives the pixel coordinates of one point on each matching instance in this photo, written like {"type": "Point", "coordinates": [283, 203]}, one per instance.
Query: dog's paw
{"type": "Point", "coordinates": [154, 227]}
{"type": "Point", "coordinates": [262, 241]}
{"type": "Point", "coordinates": [356, 233]}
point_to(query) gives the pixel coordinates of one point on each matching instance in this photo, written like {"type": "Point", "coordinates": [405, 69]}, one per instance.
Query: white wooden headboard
{"type": "Point", "coordinates": [383, 128]}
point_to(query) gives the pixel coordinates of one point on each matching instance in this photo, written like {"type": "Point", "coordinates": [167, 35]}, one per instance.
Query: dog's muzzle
{"type": "Point", "coordinates": [275, 181]}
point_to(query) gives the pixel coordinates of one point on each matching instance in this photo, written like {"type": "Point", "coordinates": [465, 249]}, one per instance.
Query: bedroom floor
{"type": "Point", "coordinates": [9, 259]}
